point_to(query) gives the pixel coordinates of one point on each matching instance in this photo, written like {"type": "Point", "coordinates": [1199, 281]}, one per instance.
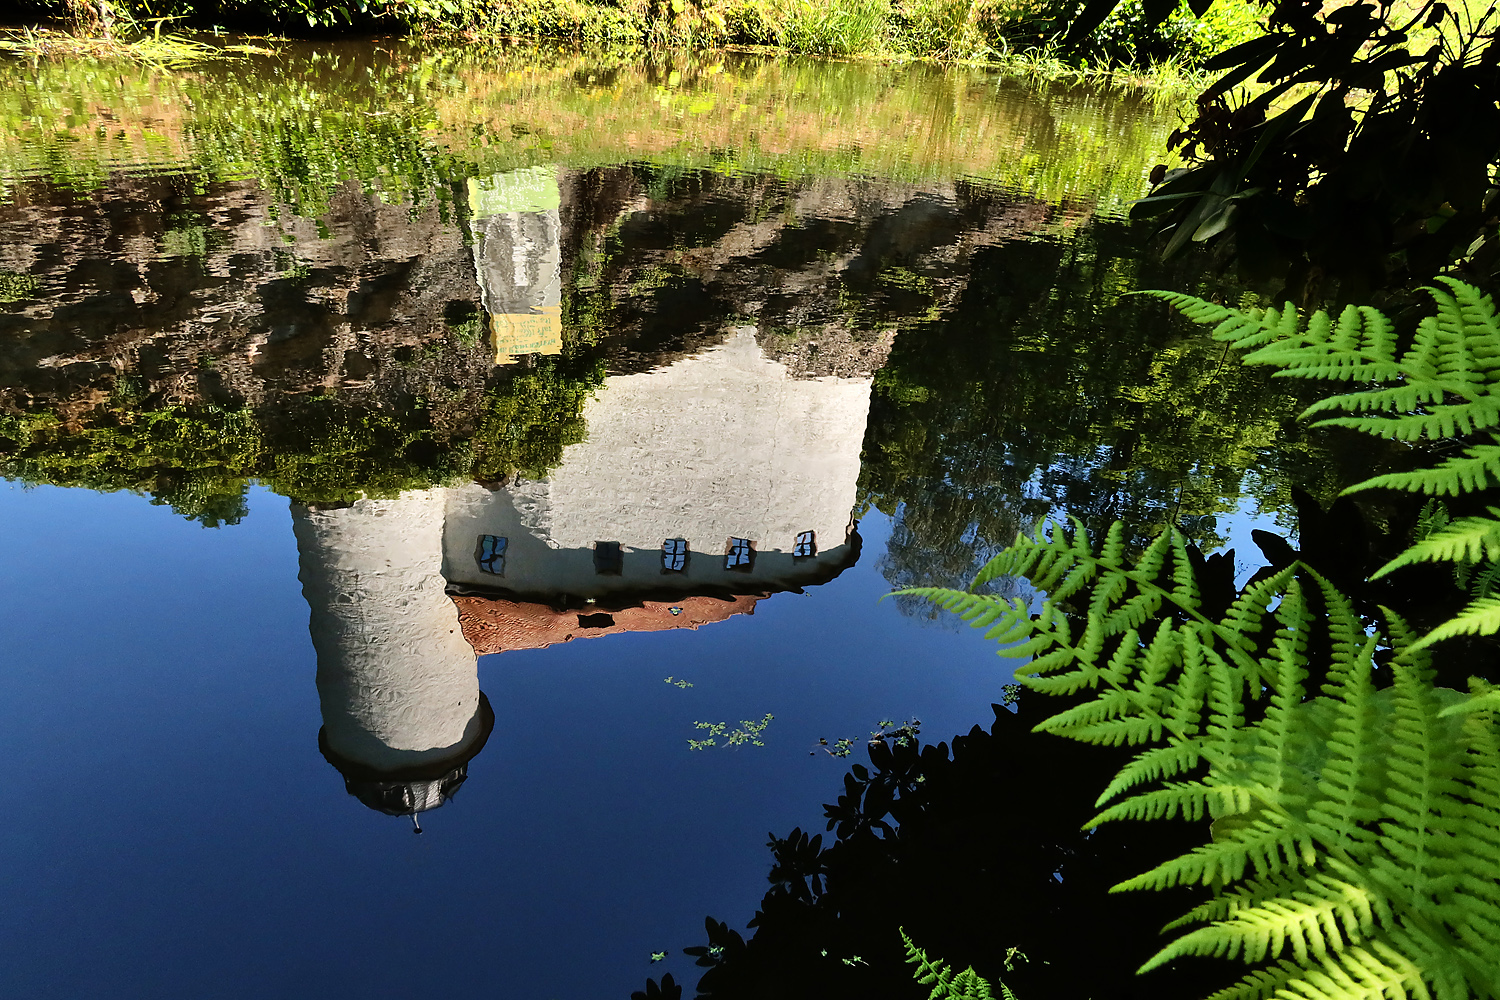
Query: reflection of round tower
{"type": "Point", "coordinates": [398, 685]}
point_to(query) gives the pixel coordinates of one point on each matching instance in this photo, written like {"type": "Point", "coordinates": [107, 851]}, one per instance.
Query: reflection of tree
{"type": "Point", "coordinates": [1046, 391]}
{"type": "Point", "coordinates": [973, 852]}
{"type": "Point", "coordinates": [320, 450]}
{"type": "Point", "coordinates": [529, 419]}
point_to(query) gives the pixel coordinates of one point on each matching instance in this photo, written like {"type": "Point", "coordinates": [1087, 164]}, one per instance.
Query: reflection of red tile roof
{"type": "Point", "coordinates": [493, 625]}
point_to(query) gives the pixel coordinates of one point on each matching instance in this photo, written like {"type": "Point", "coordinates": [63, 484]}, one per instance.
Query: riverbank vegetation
{"type": "Point", "coordinates": [410, 119]}
{"type": "Point", "coordinates": [1022, 34]}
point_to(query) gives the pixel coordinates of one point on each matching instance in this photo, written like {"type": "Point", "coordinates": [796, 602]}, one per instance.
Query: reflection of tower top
{"type": "Point", "coordinates": [530, 189]}
{"type": "Point", "coordinates": [518, 259]}
{"type": "Point", "coordinates": [413, 790]}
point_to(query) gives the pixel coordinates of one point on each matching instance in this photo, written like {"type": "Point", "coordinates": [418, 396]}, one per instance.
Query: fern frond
{"type": "Point", "coordinates": [1441, 387]}
{"type": "Point", "coordinates": [1192, 800]}
{"type": "Point", "coordinates": [1480, 701]}
{"type": "Point", "coordinates": [1156, 764]}
{"type": "Point", "coordinates": [1266, 844]}
{"type": "Point", "coordinates": [1477, 469]}
{"type": "Point", "coordinates": [1481, 617]}
{"type": "Point", "coordinates": [1355, 850]}
{"type": "Point", "coordinates": [1359, 347]}
{"type": "Point", "coordinates": [1486, 581]}
{"type": "Point", "coordinates": [945, 983]}
{"type": "Point", "coordinates": [1469, 539]}
{"type": "Point", "coordinates": [1324, 915]}
{"type": "Point", "coordinates": [1262, 984]}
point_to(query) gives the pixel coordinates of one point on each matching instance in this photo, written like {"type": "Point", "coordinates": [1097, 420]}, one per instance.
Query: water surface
{"type": "Point", "coordinates": [402, 438]}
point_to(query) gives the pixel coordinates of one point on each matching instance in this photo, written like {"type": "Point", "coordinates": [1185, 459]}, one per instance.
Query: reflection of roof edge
{"type": "Point", "coordinates": [635, 598]}
{"type": "Point", "coordinates": [493, 625]}
{"type": "Point", "coordinates": [430, 771]}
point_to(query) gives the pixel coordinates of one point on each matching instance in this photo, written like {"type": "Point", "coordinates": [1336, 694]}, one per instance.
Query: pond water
{"type": "Point", "coordinates": [515, 445]}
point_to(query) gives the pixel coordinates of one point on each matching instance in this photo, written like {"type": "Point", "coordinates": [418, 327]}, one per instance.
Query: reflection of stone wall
{"type": "Point", "coordinates": [212, 296]}
{"type": "Point", "coordinates": [398, 683]}
{"type": "Point", "coordinates": [828, 269]}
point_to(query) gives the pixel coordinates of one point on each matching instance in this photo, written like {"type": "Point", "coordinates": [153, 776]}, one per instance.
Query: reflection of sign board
{"type": "Point", "coordinates": [526, 333]}
{"type": "Point", "coordinates": [518, 259]}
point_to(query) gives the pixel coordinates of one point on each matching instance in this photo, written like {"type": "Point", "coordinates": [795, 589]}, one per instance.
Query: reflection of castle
{"type": "Point", "coordinates": [701, 488]}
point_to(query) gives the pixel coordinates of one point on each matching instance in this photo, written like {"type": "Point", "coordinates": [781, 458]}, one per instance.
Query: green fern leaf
{"type": "Point", "coordinates": [1481, 617]}
{"type": "Point", "coordinates": [945, 983]}
{"type": "Point", "coordinates": [1477, 469]}
{"type": "Point", "coordinates": [1324, 915]}
{"type": "Point", "coordinates": [1469, 539]}
{"type": "Point", "coordinates": [1355, 850]}
{"type": "Point", "coordinates": [1156, 764]}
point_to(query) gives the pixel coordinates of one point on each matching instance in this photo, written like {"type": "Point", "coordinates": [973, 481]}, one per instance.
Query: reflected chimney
{"type": "Point", "coordinates": [398, 684]}
{"type": "Point", "coordinates": [518, 259]}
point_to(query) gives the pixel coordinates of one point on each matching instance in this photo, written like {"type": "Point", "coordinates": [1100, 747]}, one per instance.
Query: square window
{"type": "Point", "coordinates": [739, 555]}
{"type": "Point", "coordinates": [609, 560]}
{"type": "Point", "coordinates": [807, 545]}
{"type": "Point", "coordinates": [674, 555]}
{"type": "Point", "coordinates": [491, 554]}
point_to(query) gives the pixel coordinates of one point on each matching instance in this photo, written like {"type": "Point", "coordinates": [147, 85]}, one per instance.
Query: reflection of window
{"type": "Point", "coordinates": [491, 554]}
{"type": "Point", "coordinates": [807, 545]}
{"type": "Point", "coordinates": [674, 555]}
{"type": "Point", "coordinates": [608, 559]}
{"type": "Point", "coordinates": [739, 554]}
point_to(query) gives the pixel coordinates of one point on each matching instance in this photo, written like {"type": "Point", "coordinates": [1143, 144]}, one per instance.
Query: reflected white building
{"type": "Point", "coordinates": [720, 474]}
{"type": "Point", "coordinates": [700, 489]}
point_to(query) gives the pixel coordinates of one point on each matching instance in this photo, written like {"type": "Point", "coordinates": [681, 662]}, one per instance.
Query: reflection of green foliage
{"type": "Point", "coordinates": [15, 287]}
{"type": "Point", "coordinates": [192, 241]}
{"type": "Point", "coordinates": [527, 421]}
{"type": "Point", "coordinates": [300, 134]}
{"type": "Point", "coordinates": [199, 459]}
{"type": "Point", "coordinates": [334, 452]}
{"type": "Point", "coordinates": [196, 461]}
{"type": "Point", "coordinates": [1046, 391]}
{"type": "Point", "coordinates": [420, 118]}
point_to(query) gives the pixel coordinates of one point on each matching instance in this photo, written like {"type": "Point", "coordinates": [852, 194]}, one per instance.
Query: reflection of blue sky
{"type": "Point", "coordinates": [175, 832]}
{"type": "Point", "coordinates": [1236, 529]}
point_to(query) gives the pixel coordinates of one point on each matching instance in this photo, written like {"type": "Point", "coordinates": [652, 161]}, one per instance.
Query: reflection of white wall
{"type": "Point", "coordinates": [725, 444]}
{"type": "Point", "coordinates": [398, 684]}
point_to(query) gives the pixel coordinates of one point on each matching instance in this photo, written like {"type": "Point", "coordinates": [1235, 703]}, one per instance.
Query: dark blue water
{"type": "Point", "coordinates": [176, 833]}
